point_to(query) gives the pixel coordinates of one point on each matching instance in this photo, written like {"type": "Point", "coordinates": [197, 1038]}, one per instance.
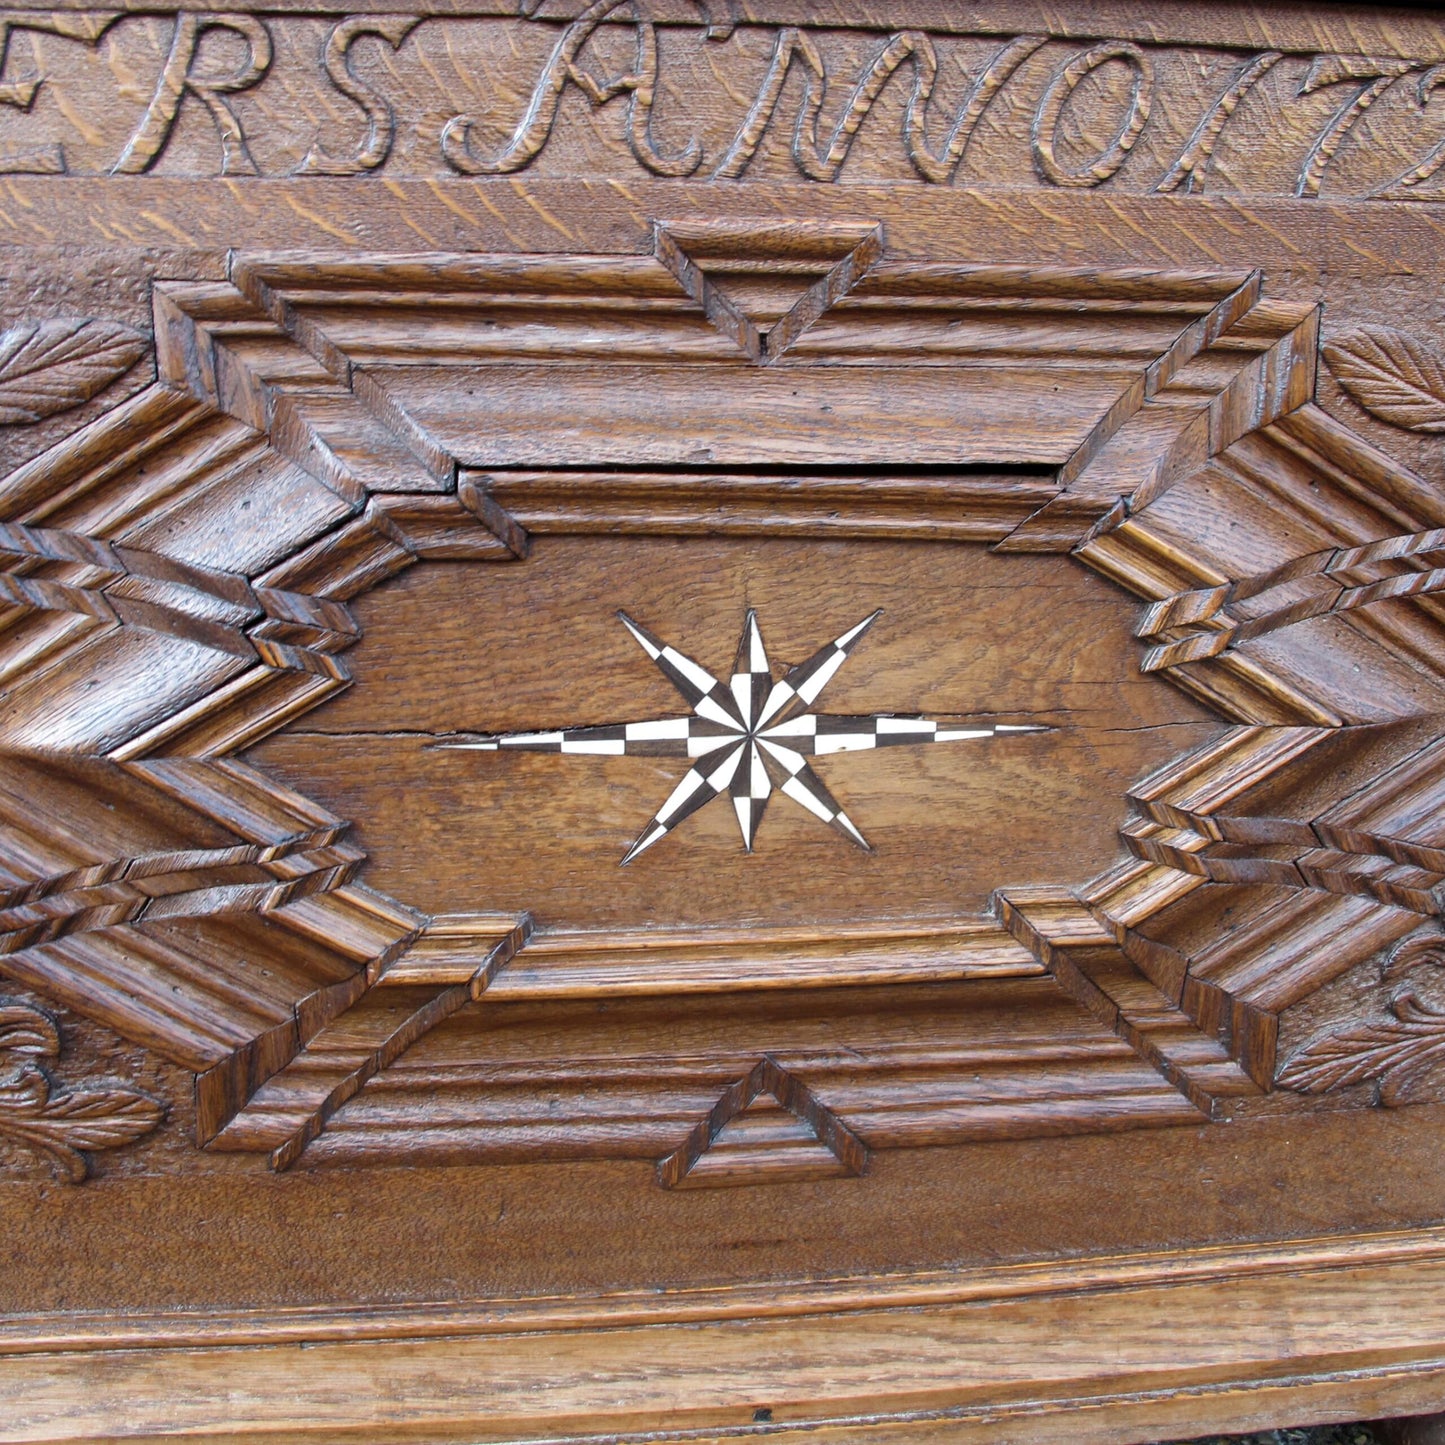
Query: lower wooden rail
{"type": "Point", "coordinates": [1133, 1348]}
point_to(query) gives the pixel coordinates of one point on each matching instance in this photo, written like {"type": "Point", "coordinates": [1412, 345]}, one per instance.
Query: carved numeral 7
{"type": "Point", "coordinates": [1377, 75]}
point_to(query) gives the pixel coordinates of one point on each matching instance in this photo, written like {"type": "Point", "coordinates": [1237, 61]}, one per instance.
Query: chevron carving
{"type": "Point", "coordinates": [182, 578]}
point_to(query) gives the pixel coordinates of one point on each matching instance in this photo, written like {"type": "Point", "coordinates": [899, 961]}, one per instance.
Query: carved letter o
{"type": "Point", "coordinates": [1061, 87]}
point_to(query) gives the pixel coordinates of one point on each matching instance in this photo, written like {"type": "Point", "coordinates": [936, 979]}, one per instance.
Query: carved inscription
{"type": "Point", "coordinates": [1050, 112]}
{"type": "Point", "coordinates": [337, 61]}
{"type": "Point", "coordinates": [187, 73]}
{"type": "Point", "coordinates": [45, 157]}
{"type": "Point", "coordinates": [565, 67]}
{"type": "Point", "coordinates": [621, 90]}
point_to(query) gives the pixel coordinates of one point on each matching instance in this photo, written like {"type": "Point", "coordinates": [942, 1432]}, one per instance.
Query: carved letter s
{"type": "Point", "coordinates": [380, 117]}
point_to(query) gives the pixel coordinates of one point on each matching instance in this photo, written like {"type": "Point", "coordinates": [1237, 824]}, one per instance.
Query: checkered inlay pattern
{"type": "Point", "coordinates": [749, 738]}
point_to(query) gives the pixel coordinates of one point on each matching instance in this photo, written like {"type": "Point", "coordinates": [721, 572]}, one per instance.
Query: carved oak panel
{"type": "Point", "coordinates": [775, 644]}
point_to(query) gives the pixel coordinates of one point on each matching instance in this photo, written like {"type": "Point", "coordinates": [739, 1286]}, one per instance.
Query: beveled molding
{"type": "Point", "coordinates": [1156, 425]}
{"type": "Point", "coordinates": [1213, 1339]}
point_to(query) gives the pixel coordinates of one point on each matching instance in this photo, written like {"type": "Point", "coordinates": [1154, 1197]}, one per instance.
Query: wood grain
{"type": "Point", "coordinates": [363, 362]}
{"type": "Point", "coordinates": [1221, 366]}
{"type": "Point", "coordinates": [958, 1369]}
{"type": "Point", "coordinates": [1221, 400]}
{"type": "Point", "coordinates": [546, 833]}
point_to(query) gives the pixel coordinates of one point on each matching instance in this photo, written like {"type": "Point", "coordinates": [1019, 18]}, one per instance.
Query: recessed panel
{"type": "Point", "coordinates": [981, 731]}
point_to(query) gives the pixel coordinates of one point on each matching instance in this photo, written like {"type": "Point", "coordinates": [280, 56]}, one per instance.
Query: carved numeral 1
{"type": "Point", "coordinates": [1187, 173]}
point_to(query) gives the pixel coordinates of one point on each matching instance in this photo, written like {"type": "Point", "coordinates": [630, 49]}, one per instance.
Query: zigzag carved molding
{"type": "Point", "coordinates": [131, 552]}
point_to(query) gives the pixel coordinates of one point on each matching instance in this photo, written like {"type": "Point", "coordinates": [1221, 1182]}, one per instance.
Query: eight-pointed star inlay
{"type": "Point", "coordinates": [749, 737]}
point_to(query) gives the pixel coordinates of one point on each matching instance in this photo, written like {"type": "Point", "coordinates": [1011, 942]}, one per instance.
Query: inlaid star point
{"type": "Point", "coordinates": [748, 738]}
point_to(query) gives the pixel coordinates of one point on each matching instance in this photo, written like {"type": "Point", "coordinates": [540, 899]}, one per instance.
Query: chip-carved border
{"type": "Point", "coordinates": [257, 397]}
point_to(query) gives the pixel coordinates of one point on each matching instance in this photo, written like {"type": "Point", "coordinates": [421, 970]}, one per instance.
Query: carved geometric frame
{"type": "Point", "coordinates": [139, 665]}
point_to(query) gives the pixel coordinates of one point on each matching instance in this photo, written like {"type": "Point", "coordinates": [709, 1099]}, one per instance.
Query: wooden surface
{"type": "Point", "coordinates": [1069, 665]}
{"type": "Point", "coordinates": [1007, 1363]}
{"type": "Point", "coordinates": [1037, 1032]}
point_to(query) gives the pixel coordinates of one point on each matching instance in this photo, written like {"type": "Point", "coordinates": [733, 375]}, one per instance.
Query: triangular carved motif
{"type": "Point", "coordinates": [764, 283]}
{"type": "Point", "coordinates": [766, 1126]}
{"type": "Point", "coordinates": [204, 911]}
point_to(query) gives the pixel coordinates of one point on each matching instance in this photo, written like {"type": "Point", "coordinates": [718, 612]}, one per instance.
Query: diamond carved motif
{"type": "Point", "coordinates": [178, 586]}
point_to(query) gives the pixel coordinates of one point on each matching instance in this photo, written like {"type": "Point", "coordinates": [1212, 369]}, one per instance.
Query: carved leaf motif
{"type": "Point", "coordinates": [49, 366]}
{"type": "Point", "coordinates": [1420, 950]}
{"type": "Point", "coordinates": [99, 1118]}
{"type": "Point", "coordinates": [62, 1126]}
{"type": "Point", "coordinates": [28, 1031]}
{"type": "Point", "coordinates": [1390, 1050]}
{"type": "Point", "coordinates": [24, 1093]}
{"type": "Point", "coordinates": [1392, 375]}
